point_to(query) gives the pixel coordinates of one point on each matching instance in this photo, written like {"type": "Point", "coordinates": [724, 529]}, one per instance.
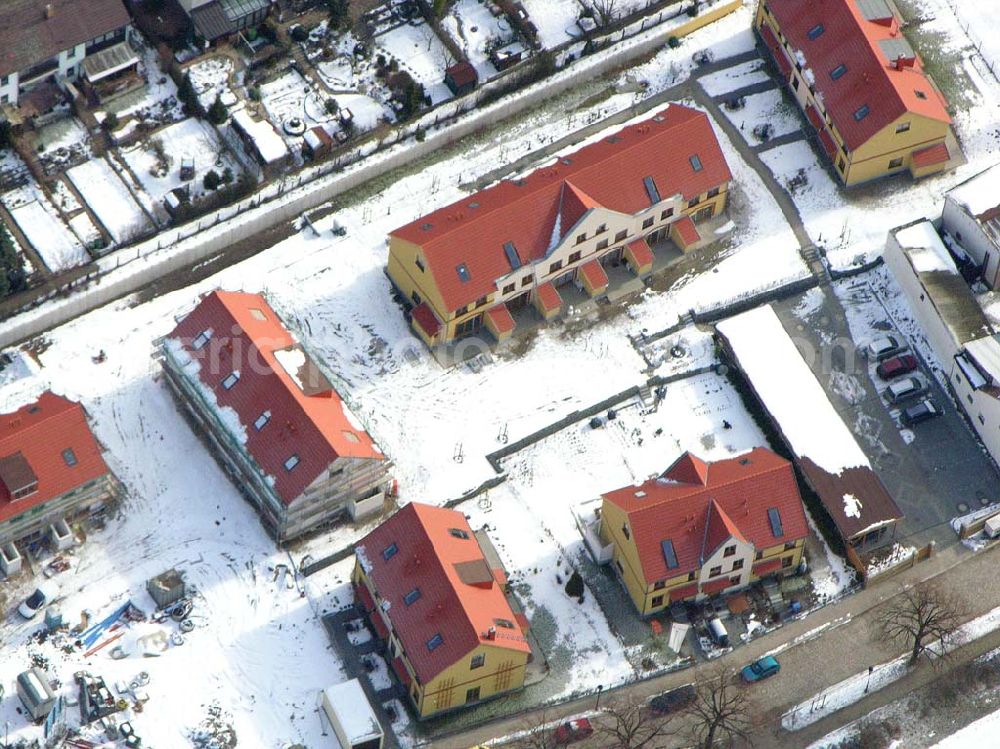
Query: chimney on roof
{"type": "Point", "coordinates": [905, 62]}
{"type": "Point", "coordinates": [50, 11]}
{"type": "Point", "coordinates": [491, 633]}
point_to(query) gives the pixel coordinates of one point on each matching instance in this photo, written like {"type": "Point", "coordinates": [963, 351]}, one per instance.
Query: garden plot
{"type": "Point", "coordinates": [210, 80]}
{"type": "Point", "coordinates": [473, 28]}
{"type": "Point", "coordinates": [110, 200]}
{"type": "Point", "coordinates": [154, 103]}
{"type": "Point", "coordinates": [43, 227]}
{"type": "Point", "coordinates": [734, 78]}
{"type": "Point", "coordinates": [552, 18]}
{"type": "Point", "coordinates": [293, 105]}
{"type": "Point", "coordinates": [63, 142]}
{"type": "Point", "coordinates": [156, 162]}
{"type": "Point", "coordinates": [764, 116]}
{"type": "Point", "coordinates": [418, 51]}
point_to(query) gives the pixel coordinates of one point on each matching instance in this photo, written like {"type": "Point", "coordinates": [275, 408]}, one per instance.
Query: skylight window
{"type": "Point", "coordinates": [513, 259]}
{"type": "Point", "coordinates": [838, 71]}
{"type": "Point", "coordinates": [920, 94]}
{"type": "Point", "coordinates": [861, 112]}
{"type": "Point", "coordinates": [463, 273]}
{"type": "Point", "coordinates": [231, 379]}
{"type": "Point", "coordinates": [291, 462]}
{"type": "Point", "coordinates": [257, 314]}
{"type": "Point", "coordinates": [69, 457]}
{"type": "Point", "coordinates": [816, 32]}
{"type": "Point", "coordinates": [411, 597]}
{"type": "Point", "coordinates": [695, 163]}
{"type": "Point", "coordinates": [389, 551]}
{"type": "Point", "coordinates": [669, 555]}
{"type": "Point", "coordinates": [262, 420]}
{"type": "Point", "coordinates": [203, 337]}
{"type": "Point", "coordinates": [774, 517]}
{"type": "Point", "coordinates": [458, 533]}
{"type": "Point", "coordinates": [435, 642]}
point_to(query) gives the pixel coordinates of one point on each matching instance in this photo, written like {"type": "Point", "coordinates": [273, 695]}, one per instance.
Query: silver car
{"type": "Point", "coordinates": [905, 388]}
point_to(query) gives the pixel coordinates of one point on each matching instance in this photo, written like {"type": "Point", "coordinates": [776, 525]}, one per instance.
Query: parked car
{"type": "Point", "coordinates": [882, 348]}
{"type": "Point", "coordinates": [43, 595]}
{"type": "Point", "coordinates": [761, 669]}
{"type": "Point", "coordinates": [920, 412]}
{"type": "Point", "coordinates": [675, 699]}
{"type": "Point", "coordinates": [573, 730]}
{"type": "Point", "coordinates": [904, 389]}
{"type": "Point", "coordinates": [896, 366]}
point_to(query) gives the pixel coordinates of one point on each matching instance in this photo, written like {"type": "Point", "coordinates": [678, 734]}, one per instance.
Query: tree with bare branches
{"type": "Point", "coordinates": [627, 723]}
{"type": "Point", "coordinates": [918, 617]}
{"type": "Point", "coordinates": [604, 11]}
{"type": "Point", "coordinates": [720, 712]}
{"type": "Point", "coordinates": [535, 733]}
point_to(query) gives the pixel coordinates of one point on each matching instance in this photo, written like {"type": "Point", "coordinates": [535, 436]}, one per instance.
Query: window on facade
{"type": "Point", "coordinates": [262, 420]}
{"type": "Point", "coordinates": [690, 576]}
{"type": "Point", "coordinates": [602, 245]}
{"type": "Point", "coordinates": [420, 264]}
{"type": "Point", "coordinates": [840, 164]}
{"type": "Point", "coordinates": [526, 281]}
{"type": "Point", "coordinates": [786, 561]}
{"type": "Point", "coordinates": [657, 601]}
{"type": "Point", "coordinates": [730, 551]}
{"type": "Point", "coordinates": [902, 127]}
{"type": "Point", "coordinates": [795, 82]}
{"type": "Point", "coordinates": [509, 288]}
{"type": "Point", "coordinates": [666, 214]}
{"type": "Point", "coordinates": [555, 266]}
{"type": "Point", "coordinates": [715, 571]}
{"type": "Point", "coordinates": [459, 533]}
{"type": "Point", "coordinates": [601, 229]}
{"type": "Point", "coordinates": [461, 310]}
{"type": "Point", "coordinates": [759, 554]}
{"type": "Point", "coordinates": [693, 202]}
{"type": "Point", "coordinates": [472, 695]}
{"type": "Point", "coordinates": [481, 301]}
{"type": "Point", "coordinates": [815, 32]}
{"type": "Point", "coordinates": [410, 598]}
{"type": "Point", "coordinates": [695, 161]}
{"type": "Point", "coordinates": [390, 551]}
{"type": "Point", "coordinates": [659, 585]}
{"type": "Point", "coordinates": [647, 223]}
{"type": "Point", "coordinates": [574, 257]}
{"type": "Point", "coordinates": [435, 642]}
{"type": "Point", "coordinates": [69, 457]}
{"type": "Point", "coordinates": [789, 546]}
{"type": "Point", "coordinates": [231, 379]}
{"type": "Point", "coordinates": [581, 238]}
{"type": "Point", "coordinates": [982, 420]}
{"type": "Point", "coordinates": [735, 580]}
{"type": "Point", "coordinates": [713, 192]}
{"type": "Point", "coordinates": [416, 298]}
{"type": "Point", "coordinates": [838, 71]}
{"type": "Point", "coordinates": [621, 235]}
{"type": "Point", "coordinates": [895, 163]}
{"type": "Point", "coordinates": [737, 565]}
{"type": "Point", "coordinates": [478, 661]}
{"type": "Point", "coordinates": [201, 339]}
{"type": "Point", "coordinates": [625, 531]}
{"type": "Point", "coordinates": [291, 462]}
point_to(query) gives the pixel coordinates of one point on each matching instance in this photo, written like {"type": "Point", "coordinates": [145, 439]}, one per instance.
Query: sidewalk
{"type": "Point", "coordinates": [838, 644]}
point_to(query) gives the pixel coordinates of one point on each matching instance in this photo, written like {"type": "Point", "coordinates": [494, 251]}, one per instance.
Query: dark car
{"type": "Point", "coordinates": [573, 730]}
{"type": "Point", "coordinates": [675, 699]}
{"type": "Point", "coordinates": [896, 366]}
{"type": "Point", "coordinates": [920, 412]}
{"type": "Point", "coordinates": [905, 389]}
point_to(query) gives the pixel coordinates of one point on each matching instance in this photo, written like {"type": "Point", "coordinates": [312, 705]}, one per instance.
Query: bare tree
{"type": "Point", "coordinates": [919, 616]}
{"type": "Point", "coordinates": [627, 723]}
{"type": "Point", "coordinates": [720, 711]}
{"type": "Point", "coordinates": [535, 733]}
{"type": "Point", "coordinates": [605, 11]}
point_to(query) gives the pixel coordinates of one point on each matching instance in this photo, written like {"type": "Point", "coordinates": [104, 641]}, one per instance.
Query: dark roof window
{"type": "Point", "coordinates": [774, 517]}
{"type": "Point", "coordinates": [861, 112]}
{"type": "Point", "coordinates": [651, 191]}
{"type": "Point", "coordinates": [262, 420]}
{"type": "Point", "coordinates": [412, 596]}
{"type": "Point", "coordinates": [505, 623]}
{"type": "Point", "coordinates": [69, 457]}
{"type": "Point", "coordinates": [669, 555]}
{"type": "Point", "coordinates": [838, 71]}
{"type": "Point", "coordinates": [203, 337]}
{"type": "Point", "coordinates": [458, 533]}
{"type": "Point", "coordinates": [816, 32]}
{"type": "Point", "coordinates": [920, 94]}
{"type": "Point", "coordinates": [512, 257]}
{"type": "Point", "coordinates": [435, 642]}
{"type": "Point", "coordinates": [389, 551]}
{"type": "Point", "coordinates": [463, 272]}
{"type": "Point", "coordinates": [291, 462]}
{"type": "Point", "coordinates": [695, 163]}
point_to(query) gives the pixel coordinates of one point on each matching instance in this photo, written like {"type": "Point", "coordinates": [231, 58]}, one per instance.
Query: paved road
{"type": "Point", "coordinates": [841, 648]}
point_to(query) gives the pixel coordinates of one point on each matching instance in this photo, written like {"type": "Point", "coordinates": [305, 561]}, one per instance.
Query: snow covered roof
{"type": "Point", "coordinates": [270, 145]}
{"type": "Point", "coordinates": [460, 598]}
{"type": "Point", "coordinates": [826, 451]}
{"type": "Point", "coordinates": [528, 214]}
{"type": "Point", "coordinates": [947, 291]}
{"type": "Point", "coordinates": [50, 440]}
{"type": "Point", "coordinates": [980, 194]}
{"type": "Point", "coordinates": [696, 506]}
{"type": "Point", "coordinates": [354, 712]}
{"type": "Point", "coordinates": [279, 405]}
{"type": "Point", "coordinates": [873, 91]}
{"type": "Point", "coordinates": [986, 353]}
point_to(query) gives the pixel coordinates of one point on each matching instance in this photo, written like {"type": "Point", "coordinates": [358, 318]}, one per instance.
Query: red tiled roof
{"type": "Point", "coordinates": [814, 117]}
{"type": "Point", "coordinates": [720, 528]}
{"type": "Point", "coordinates": [687, 230]}
{"type": "Point", "coordinates": [462, 73]}
{"type": "Point", "coordinates": [936, 154]}
{"type": "Point", "coordinates": [430, 558]}
{"type": "Point", "coordinates": [594, 273]}
{"type": "Point", "coordinates": [526, 213]}
{"type": "Point", "coordinates": [677, 506]}
{"type": "Point", "coordinates": [871, 79]}
{"type": "Point", "coordinates": [549, 297]}
{"type": "Point", "coordinates": [763, 568]}
{"type": "Point", "coordinates": [364, 598]}
{"type": "Point", "coordinates": [777, 52]}
{"type": "Point", "coordinates": [380, 629]}
{"type": "Point", "coordinates": [715, 586]}
{"type": "Point", "coordinates": [307, 417]}
{"type": "Point", "coordinates": [828, 145]}
{"type": "Point", "coordinates": [684, 591]}
{"type": "Point", "coordinates": [641, 252]}
{"type": "Point", "coordinates": [501, 318]}
{"type": "Point", "coordinates": [424, 317]}
{"type": "Point", "coordinates": [401, 672]}
{"type": "Point", "coordinates": [40, 432]}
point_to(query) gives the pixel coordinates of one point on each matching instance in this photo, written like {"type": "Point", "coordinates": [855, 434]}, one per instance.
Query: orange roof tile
{"type": "Point", "coordinates": [687, 231]}
{"type": "Point", "coordinates": [936, 154]}
{"type": "Point", "coordinates": [501, 318]}
{"type": "Point", "coordinates": [423, 315]}
{"type": "Point", "coordinates": [549, 297]}
{"type": "Point", "coordinates": [430, 559]}
{"type": "Point", "coordinates": [527, 213]}
{"type": "Point", "coordinates": [593, 271]}
{"type": "Point", "coordinates": [641, 252]}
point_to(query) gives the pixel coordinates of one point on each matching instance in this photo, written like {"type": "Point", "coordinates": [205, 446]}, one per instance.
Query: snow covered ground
{"type": "Point", "coordinates": [552, 18]}
{"type": "Point", "coordinates": [769, 108]}
{"type": "Point", "coordinates": [472, 26]}
{"type": "Point", "coordinates": [421, 53]}
{"type": "Point", "coordinates": [736, 77]}
{"type": "Point", "coordinates": [58, 247]}
{"type": "Point", "coordinates": [109, 199]}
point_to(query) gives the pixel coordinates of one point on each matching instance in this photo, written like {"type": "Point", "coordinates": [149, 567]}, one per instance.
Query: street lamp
{"type": "Point", "coordinates": [600, 688]}
{"type": "Point", "coordinates": [869, 682]}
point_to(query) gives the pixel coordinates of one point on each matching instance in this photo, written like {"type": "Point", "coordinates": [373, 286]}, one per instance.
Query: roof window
{"type": "Point", "coordinates": [838, 71]}
{"type": "Point", "coordinates": [695, 163]}
{"type": "Point", "coordinates": [459, 533]}
{"type": "Point", "coordinates": [669, 555]}
{"type": "Point", "coordinates": [920, 94]}
{"type": "Point", "coordinates": [262, 420]}
{"type": "Point", "coordinates": [231, 379]}
{"type": "Point", "coordinates": [411, 597]}
{"type": "Point", "coordinates": [69, 457]}
{"type": "Point", "coordinates": [861, 112]}
{"type": "Point", "coordinates": [202, 338]}
{"type": "Point", "coordinates": [435, 642]}
{"type": "Point", "coordinates": [390, 551]}
{"type": "Point", "coordinates": [291, 462]}
{"type": "Point", "coordinates": [463, 272]}
{"type": "Point", "coordinates": [774, 517]}
{"type": "Point", "coordinates": [815, 32]}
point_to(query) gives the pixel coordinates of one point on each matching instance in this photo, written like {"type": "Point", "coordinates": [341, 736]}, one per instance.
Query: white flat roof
{"type": "Point", "coordinates": [926, 250]}
{"type": "Point", "coordinates": [979, 193]}
{"type": "Point", "coordinates": [354, 712]}
{"type": "Point", "coordinates": [272, 148]}
{"type": "Point", "coordinates": [790, 392]}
